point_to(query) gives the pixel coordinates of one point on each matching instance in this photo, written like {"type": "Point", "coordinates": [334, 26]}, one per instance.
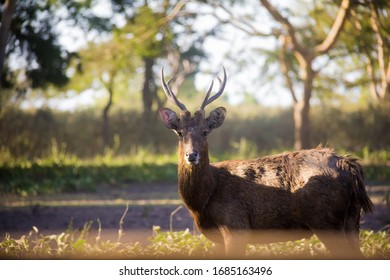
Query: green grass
{"type": "Point", "coordinates": [61, 172]}
{"type": "Point", "coordinates": [73, 244]}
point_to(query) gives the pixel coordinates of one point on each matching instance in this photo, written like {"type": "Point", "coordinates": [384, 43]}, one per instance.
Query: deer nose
{"type": "Point", "coordinates": [192, 157]}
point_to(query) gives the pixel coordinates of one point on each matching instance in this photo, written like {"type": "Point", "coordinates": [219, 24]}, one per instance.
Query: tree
{"type": "Point", "coordinates": [103, 65]}
{"type": "Point", "coordinates": [305, 54]}
{"type": "Point", "coordinates": [34, 58]}
{"type": "Point", "coordinates": [6, 18]}
{"type": "Point", "coordinates": [370, 25]}
{"type": "Point", "coordinates": [154, 36]}
{"type": "Point", "coordinates": [299, 47]}
{"type": "Point", "coordinates": [149, 33]}
{"type": "Point", "coordinates": [33, 45]}
{"type": "Point", "coordinates": [145, 37]}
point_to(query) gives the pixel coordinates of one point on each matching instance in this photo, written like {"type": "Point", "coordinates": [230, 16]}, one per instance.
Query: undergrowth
{"type": "Point", "coordinates": [79, 244]}
{"type": "Point", "coordinates": [61, 172]}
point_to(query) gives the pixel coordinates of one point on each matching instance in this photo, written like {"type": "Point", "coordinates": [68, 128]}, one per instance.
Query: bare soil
{"type": "Point", "coordinates": [138, 206]}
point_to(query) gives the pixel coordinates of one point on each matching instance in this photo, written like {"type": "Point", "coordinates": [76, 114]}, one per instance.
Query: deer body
{"type": "Point", "coordinates": [275, 198]}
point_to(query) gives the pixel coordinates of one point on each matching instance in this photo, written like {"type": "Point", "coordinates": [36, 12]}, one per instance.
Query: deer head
{"type": "Point", "coordinates": [193, 131]}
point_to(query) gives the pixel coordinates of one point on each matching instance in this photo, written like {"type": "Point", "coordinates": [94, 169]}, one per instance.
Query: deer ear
{"type": "Point", "coordinates": [169, 118]}
{"type": "Point", "coordinates": [216, 118]}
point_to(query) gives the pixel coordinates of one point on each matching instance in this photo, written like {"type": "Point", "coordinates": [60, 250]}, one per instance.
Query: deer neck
{"type": "Point", "coordinates": [196, 182]}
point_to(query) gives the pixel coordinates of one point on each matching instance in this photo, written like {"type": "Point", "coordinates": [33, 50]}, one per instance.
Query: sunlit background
{"type": "Point", "coordinates": [80, 93]}
{"type": "Point", "coordinates": [93, 68]}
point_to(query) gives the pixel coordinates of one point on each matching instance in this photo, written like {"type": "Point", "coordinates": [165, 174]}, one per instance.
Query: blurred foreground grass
{"type": "Point", "coordinates": [180, 244]}
{"type": "Point", "coordinates": [62, 172]}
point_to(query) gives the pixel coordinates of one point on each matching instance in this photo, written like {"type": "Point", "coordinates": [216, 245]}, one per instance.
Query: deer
{"type": "Point", "coordinates": [288, 196]}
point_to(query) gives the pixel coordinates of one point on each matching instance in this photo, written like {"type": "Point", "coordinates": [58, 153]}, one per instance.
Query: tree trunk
{"type": "Point", "coordinates": [384, 70]}
{"type": "Point", "coordinates": [8, 10]}
{"type": "Point", "coordinates": [305, 57]}
{"type": "Point", "coordinates": [106, 121]}
{"type": "Point", "coordinates": [302, 110]}
{"type": "Point", "coordinates": [301, 125]}
{"type": "Point", "coordinates": [149, 90]}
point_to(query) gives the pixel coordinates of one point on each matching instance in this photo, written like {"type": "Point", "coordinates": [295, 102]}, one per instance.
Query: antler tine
{"type": "Point", "coordinates": [169, 93]}
{"type": "Point", "coordinates": [204, 103]}
{"type": "Point", "coordinates": [222, 84]}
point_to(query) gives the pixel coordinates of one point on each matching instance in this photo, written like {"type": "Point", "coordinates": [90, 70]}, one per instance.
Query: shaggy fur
{"type": "Point", "coordinates": [275, 198]}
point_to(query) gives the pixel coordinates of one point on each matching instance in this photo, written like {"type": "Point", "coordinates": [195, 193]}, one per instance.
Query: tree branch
{"type": "Point", "coordinates": [287, 26]}
{"type": "Point", "coordinates": [175, 11]}
{"type": "Point", "coordinates": [338, 24]}
{"type": "Point", "coordinates": [180, 68]}
{"type": "Point", "coordinates": [388, 74]}
{"type": "Point", "coordinates": [374, 20]}
{"type": "Point", "coordinates": [372, 80]}
{"type": "Point", "coordinates": [240, 23]}
{"type": "Point", "coordinates": [284, 65]}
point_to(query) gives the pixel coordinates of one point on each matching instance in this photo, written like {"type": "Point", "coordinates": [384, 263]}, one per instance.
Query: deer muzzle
{"type": "Point", "coordinates": [192, 157]}
{"type": "Point", "coordinates": [191, 148]}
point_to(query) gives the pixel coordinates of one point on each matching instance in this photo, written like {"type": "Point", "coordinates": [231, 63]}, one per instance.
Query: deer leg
{"type": "Point", "coordinates": [219, 250]}
{"type": "Point", "coordinates": [339, 244]}
{"type": "Point", "coordinates": [235, 242]}
{"type": "Point", "coordinates": [354, 243]}
{"type": "Point", "coordinates": [351, 231]}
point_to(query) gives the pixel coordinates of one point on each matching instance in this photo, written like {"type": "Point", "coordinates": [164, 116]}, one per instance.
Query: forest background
{"type": "Point", "coordinates": [80, 79]}
{"type": "Point", "coordinates": [80, 137]}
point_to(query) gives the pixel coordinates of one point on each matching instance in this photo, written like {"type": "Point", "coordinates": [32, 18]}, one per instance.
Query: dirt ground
{"type": "Point", "coordinates": [148, 205]}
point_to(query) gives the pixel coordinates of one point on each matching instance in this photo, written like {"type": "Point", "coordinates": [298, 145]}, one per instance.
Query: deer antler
{"type": "Point", "coordinates": [222, 84]}
{"type": "Point", "coordinates": [169, 93]}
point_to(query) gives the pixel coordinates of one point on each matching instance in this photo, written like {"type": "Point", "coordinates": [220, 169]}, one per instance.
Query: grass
{"type": "Point", "coordinates": [62, 172]}
{"type": "Point", "coordinates": [79, 244]}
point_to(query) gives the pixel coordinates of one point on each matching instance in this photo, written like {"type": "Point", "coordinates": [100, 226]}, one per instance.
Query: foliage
{"type": "Point", "coordinates": [352, 129]}
{"type": "Point", "coordinates": [62, 172]}
{"type": "Point", "coordinates": [76, 244]}
{"type": "Point", "coordinates": [68, 244]}
{"type": "Point", "coordinates": [304, 248]}
{"type": "Point", "coordinates": [375, 244]}
{"type": "Point", "coordinates": [66, 173]}
{"type": "Point", "coordinates": [178, 243]}
{"type": "Point", "coordinates": [148, 33]}
{"type": "Point", "coordinates": [263, 130]}
{"type": "Point", "coordinates": [101, 64]}
{"type": "Point", "coordinates": [52, 152]}
{"type": "Point", "coordinates": [35, 57]}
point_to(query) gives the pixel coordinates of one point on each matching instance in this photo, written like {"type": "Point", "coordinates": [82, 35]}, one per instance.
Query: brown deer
{"type": "Point", "coordinates": [274, 198]}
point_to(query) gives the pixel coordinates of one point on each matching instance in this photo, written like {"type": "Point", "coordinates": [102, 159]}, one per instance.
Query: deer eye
{"type": "Point", "coordinates": [205, 132]}
{"type": "Point", "coordinates": [179, 134]}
